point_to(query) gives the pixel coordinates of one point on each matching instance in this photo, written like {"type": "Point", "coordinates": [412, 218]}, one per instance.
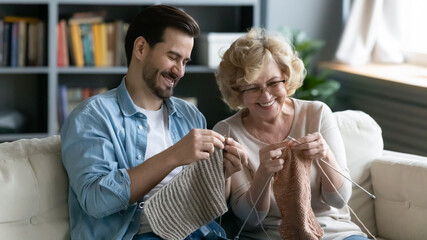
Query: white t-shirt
{"type": "Point", "coordinates": [158, 139]}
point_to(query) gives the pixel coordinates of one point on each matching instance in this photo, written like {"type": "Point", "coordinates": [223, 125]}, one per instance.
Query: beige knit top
{"type": "Point", "coordinates": [310, 117]}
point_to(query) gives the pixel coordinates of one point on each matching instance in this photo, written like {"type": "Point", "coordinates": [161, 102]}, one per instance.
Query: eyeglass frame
{"type": "Point", "coordinates": [260, 90]}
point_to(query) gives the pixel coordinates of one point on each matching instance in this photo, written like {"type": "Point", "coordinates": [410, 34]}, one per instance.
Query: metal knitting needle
{"type": "Point", "coordinates": [336, 170]}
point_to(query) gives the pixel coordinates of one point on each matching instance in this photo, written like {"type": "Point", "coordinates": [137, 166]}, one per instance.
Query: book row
{"type": "Point", "coordinates": [96, 44]}
{"type": "Point", "coordinates": [22, 42]}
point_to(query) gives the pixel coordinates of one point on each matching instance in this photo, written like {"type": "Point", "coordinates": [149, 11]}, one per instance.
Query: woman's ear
{"type": "Point", "coordinates": [139, 47]}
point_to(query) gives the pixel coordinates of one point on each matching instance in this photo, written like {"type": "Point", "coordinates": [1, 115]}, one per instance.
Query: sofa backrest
{"type": "Point", "coordinates": [33, 190]}
{"type": "Point", "coordinates": [363, 143]}
{"type": "Point", "coordinates": [35, 183]}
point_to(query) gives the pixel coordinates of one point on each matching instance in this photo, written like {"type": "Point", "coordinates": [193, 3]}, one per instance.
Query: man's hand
{"type": "Point", "coordinates": [234, 157]}
{"type": "Point", "coordinates": [196, 145]}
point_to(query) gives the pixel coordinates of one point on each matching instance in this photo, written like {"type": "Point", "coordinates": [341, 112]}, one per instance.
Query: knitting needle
{"type": "Point", "coordinates": [336, 170]}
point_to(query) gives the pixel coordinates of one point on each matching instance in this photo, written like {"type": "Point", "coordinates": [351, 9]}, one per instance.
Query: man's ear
{"type": "Point", "coordinates": [140, 46]}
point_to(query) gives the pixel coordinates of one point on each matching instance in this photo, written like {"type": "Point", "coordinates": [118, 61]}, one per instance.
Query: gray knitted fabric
{"type": "Point", "coordinates": [190, 200]}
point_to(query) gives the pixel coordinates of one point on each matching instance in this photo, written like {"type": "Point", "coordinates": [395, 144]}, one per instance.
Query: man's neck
{"type": "Point", "coordinates": [141, 95]}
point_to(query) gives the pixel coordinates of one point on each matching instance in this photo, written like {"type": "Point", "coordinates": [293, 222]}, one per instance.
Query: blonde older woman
{"type": "Point", "coordinates": [257, 76]}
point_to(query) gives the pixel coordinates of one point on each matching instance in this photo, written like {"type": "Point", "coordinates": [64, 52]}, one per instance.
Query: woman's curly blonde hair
{"type": "Point", "coordinates": [243, 62]}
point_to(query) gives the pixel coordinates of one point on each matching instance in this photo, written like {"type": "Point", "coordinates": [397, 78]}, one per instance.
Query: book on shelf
{"type": "Point", "coordinates": [110, 41]}
{"type": "Point", "coordinates": [71, 57]}
{"type": "Point", "coordinates": [122, 28]}
{"type": "Point", "coordinates": [62, 105]}
{"type": "Point", "coordinates": [32, 44]}
{"type": "Point", "coordinates": [90, 17]}
{"type": "Point", "coordinates": [22, 43]}
{"type": "Point", "coordinates": [20, 19]}
{"type": "Point", "coordinates": [14, 44]}
{"type": "Point", "coordinates": [1, 42]}
{"type": "Point", "coordinates": [77, 45]}
{"type": "Point", "coordinates": [6, 44]}
{"type": "Point", "coordinates": [40, 36]}
{"type": "Point", "coordinates": [62, 47]}
{"type": "Point", "coordinates": [87, 39]}
{"type": "Point", "coordinates": [99, 32]}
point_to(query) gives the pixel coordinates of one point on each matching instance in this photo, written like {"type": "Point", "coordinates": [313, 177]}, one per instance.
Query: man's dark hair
{"type": "Point", "coordinates": [151, 23]}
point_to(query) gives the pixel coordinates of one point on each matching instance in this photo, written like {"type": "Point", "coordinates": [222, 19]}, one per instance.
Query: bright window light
{"type": "Point", "coordinates": [415, 33]}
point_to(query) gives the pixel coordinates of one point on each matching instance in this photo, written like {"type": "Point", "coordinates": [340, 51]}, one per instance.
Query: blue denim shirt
{"type": "Point", "coordinates": [101, 138]}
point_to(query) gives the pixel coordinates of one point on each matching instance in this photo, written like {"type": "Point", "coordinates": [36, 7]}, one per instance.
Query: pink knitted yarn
{"type": "Point", "coordinates": [293, 196]}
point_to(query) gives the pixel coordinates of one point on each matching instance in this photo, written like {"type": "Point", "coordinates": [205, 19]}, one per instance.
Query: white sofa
{"type": "Point", "coordinates": [33, 185]}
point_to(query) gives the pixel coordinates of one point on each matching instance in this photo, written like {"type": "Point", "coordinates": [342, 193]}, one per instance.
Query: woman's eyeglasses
{"type": "Point", "coordinates": [273, 87]}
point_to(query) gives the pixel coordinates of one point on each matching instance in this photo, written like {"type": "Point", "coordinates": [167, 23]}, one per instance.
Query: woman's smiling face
{"type": "Point", "coordinates": [265, 97]}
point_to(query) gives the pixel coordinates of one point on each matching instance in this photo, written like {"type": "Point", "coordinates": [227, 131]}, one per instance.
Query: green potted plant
{"type": "Point", "coordinates": [317, 85]}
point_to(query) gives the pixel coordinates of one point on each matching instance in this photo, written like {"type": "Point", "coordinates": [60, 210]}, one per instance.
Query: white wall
{"type": "Point", "coordinates": [319, 19]}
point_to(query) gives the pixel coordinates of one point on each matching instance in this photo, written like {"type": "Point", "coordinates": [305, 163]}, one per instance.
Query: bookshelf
{"type": "Point", "coordinates": [31, 94]}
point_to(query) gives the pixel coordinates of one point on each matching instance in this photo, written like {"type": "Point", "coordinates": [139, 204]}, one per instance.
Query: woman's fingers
{"type": "Point", "coordinates": [312, 145]}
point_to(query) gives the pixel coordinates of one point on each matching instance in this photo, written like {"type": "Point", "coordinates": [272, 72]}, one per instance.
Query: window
{"type": "Point", "coordinates": [384, 31]}
{"type": "Point", "coordinates": [415, 31]}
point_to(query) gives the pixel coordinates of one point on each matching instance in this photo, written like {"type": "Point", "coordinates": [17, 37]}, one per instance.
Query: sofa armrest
{"type": "Point", "coordinates": [399, 182]}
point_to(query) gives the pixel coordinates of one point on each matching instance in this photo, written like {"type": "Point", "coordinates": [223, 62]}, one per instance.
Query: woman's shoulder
{"type": "Point", "coordinates": [232, 121]}
{"type": "Point", "coordinates": [308, 106]}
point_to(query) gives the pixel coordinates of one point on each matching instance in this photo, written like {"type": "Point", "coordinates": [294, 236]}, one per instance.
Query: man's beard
{"type": "Point", "coordinates": [150, 76]}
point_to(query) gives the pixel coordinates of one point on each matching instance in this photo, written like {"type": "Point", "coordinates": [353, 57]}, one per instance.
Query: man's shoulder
{"type": "Point", "coordinates": [101, 103]}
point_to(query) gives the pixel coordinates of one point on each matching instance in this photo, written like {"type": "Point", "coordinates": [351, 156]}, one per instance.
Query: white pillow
{"type": "Point", "coordinates": [363, 143]}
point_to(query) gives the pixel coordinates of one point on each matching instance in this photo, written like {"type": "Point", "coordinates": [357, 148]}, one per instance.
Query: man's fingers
{"type": "Point", "coordinates": [207, 132]}
{"type": "Point", "coordinates": [213, 137]}
{"type": "Point", "coordinates": [208, 147]}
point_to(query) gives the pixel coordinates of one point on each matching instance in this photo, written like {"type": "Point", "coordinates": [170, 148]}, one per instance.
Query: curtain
{"type": "Point", "coordinates": [374, 32]}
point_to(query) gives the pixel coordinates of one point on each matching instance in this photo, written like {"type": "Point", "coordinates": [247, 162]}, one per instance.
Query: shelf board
{"type": "Point", "coordinates": [199, 69]}
{"type": "Point", "coordinates": [24, 1]}
{"type": "Point", "coordinates": [123, 70]}
{"type": "Point", "coordinates": [24, 70]}
{"type": "Point", "coordinates": [16, 136]}
{"type": "Point", "coordinates": [92, 70]}
{"type": "Point", "coordinates": [169, 2]}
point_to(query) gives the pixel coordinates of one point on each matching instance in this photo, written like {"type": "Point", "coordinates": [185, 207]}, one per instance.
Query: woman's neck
{"type": "Point", "coordinates": [270, 130]}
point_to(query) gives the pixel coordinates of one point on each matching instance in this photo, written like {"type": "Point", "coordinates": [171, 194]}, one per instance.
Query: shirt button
{"type": "Point", "coordinates": [138, 157]}
{"type": "Point", "coordinates": [139, 127]}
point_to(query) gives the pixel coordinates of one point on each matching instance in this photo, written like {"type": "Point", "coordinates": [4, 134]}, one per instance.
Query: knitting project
{"type": "Point", "coordinates": [190, 200]}
{"type": "Point", "coordinates": [293, 196]}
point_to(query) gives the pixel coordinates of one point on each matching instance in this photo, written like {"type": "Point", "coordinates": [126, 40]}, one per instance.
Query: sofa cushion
{"type": "Point", "coordinates": [399, 182]}
{"type": "Point", "coordinates": [36, 185]}
{"type": "Point", "coordinates": [363, 143]}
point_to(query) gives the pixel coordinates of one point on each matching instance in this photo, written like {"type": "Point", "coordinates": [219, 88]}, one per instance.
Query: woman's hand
{"type": "Point", "coordinates": [270, 159]}
{"type": "Point", "coordinates": [234, 157]}
{"type": "Point", "coordinates": [313, 146]}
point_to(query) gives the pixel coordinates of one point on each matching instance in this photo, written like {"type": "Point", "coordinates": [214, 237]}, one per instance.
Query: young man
{"type": "Point", "coordinates": [122, 146]}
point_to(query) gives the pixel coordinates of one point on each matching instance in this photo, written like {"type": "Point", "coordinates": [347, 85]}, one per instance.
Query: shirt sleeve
{"type": "Point", "coordinates": [89, 158]}
{"type": "Point", "coordinates": [331, 134]}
